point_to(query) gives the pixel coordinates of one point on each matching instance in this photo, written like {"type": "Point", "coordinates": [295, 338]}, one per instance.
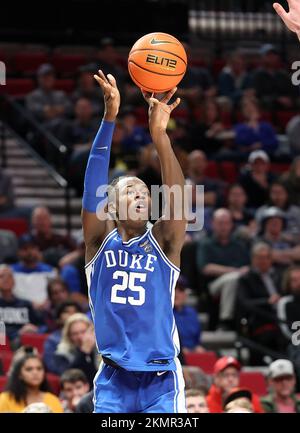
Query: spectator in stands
{"type": "Point", "coordinates": [57, 294]}
{"type": "Point", "coordinates": [107, 60]}
{"type": "Point", "coordinates": [258, 292]}
{"type": "Point", "coordinates": [293, 132]}
{"type": "Point", "coordinates": [74, 386]}
{"type": "Point", "coordinates": [79, 133]}
{"type": "Point", "coordinates": [205, 135]}
{"type": "Point", "coordinates": [234, 79]}
{"type": "Point", "coordinates": [31, 275]}
{"type": "Point", "coordinates": [197, 84]}
{"type": "Point", "coordinates": [282, 380]}
{"type": "Point", "coordinates": [17, 314]}
{"type": "Point", "coordinates": [253, 133]}
{"type": "Point", "coordinates": [196, 401]}
{"type": "Point", "coordinates": [222, 258]}
{"type": "Point", "coordinates": [256, 178]}
{"type": "Point", "coordinates": [62, 313]}
{"type": "Point", "coordinates": [239, 400]}
{"type": "Point", "coordinates": [46, 103]}
{"type": "Point", "coordinates": [27, 384]}
{"type": "Point", "coordinates": [73, 274]}
{"type": "Point", "coordinates": [87, 88]}
{"type": "Point", "coordinates": [291, 180]}
{"type": "Point", "coordinates": [8, 246]}
{"type": "Point", "coordinates": [53, 245]}
{"type": "Point", "coordinates": [237, 206]}
{"type": "Point", "coordinates": [288, 307]}
{"type": "Point", "coordinates": [188, 324]}
{"type": "Point", "coordinates": [226, 378]}
{"type": "Point", "coordinates": [285, 249]}
{"type": "Point", "coordinates": [271, 83]}
{"type": "Point", "coordinates": [136, 137]}
{"type": "Point", "coordinates": [77, 348]}
{"type": "Point", "coordinates": [86, 404]}
{"type": "Point", "coordinates": [213, 188]}
{"type": "Point", "coordinates": [279, 198]}
{"type": "Point", "coordinates": [37, 408]}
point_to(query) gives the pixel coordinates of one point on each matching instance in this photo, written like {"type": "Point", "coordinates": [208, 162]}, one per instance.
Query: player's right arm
{"type": "Point", "coordinates": [292, 18]}
{"type": "Point", "coordinates": [96, 225]}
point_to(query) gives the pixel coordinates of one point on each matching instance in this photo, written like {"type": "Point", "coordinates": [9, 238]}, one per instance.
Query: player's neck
{"type": "Point", "coordinates": [128, 233]}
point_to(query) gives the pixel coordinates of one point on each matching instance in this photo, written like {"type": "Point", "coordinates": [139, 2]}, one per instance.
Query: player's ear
{"type": "Point", "coordinates": [112, 209]}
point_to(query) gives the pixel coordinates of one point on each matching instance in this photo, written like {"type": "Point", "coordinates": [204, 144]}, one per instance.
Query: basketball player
{"type": "Point", "coordinates": [292, 18]}
{"type": "Point", "coordinates": [132, 272]}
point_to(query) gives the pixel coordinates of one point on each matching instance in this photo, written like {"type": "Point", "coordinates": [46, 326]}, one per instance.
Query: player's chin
{"type": "Point", "coordinates": [138, 215]}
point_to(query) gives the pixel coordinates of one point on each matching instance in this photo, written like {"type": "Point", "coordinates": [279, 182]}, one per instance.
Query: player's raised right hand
{"type": "Point", "coordinates": [111, 95]}
{"type": "Point", "coordinates": [292, 18]}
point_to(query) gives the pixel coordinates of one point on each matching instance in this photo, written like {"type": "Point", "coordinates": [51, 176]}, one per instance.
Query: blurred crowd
{"type": "Point", "coordinates": [243, 268]}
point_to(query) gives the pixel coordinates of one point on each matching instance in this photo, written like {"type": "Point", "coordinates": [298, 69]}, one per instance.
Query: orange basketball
{"type": "Point", "coordinates": [157, 62]}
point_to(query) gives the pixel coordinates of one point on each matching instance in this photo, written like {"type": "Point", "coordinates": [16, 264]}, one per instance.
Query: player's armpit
{"type": "Point", "coordinates": [170, 236]}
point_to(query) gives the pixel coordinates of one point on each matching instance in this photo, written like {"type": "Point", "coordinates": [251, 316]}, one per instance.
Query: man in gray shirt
{"type": "Point", "coordinates": [46, 103]}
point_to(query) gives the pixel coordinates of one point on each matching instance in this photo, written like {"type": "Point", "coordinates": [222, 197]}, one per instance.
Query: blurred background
{"type": "Point", "coordinates": [237, 132]}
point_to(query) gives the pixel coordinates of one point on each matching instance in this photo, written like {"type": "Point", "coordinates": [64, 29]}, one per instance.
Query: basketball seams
{"type": "Point", "coordinates": [138, 83]}
{"type": "Point", "coordinates": [157, 49]}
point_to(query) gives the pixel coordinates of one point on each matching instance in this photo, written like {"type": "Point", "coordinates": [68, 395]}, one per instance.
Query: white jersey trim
{"type": "Point", "coordinates": [162, 254]}
{"type": "Point", "coordinates": [105, 240]}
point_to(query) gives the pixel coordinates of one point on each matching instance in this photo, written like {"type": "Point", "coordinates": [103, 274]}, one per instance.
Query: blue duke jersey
{"type": "Point", "coordinates": [131, 289]}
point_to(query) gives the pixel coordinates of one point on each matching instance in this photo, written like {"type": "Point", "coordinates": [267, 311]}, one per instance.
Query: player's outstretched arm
{"type": "Point", "coordinates": [292, 18]}
{"type": "Point", "coordinates": [169, 230]}
{"type": "Point", "coordinates": [94, 221]}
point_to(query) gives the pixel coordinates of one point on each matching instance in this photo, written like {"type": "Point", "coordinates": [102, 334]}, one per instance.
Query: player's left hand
{"type": "Point", "coordinates": [292, 18]}
{"type": "Point", "coordinates": [160, 111]}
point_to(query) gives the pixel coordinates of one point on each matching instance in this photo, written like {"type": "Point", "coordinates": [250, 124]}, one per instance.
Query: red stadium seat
{"type": "Point", "coordinates": [283, 118]}
{"type": "Point", "coordinates": [5, 360]}
{"type": "Point", "coordinates": [35, 340]}
{"type": "Point", "coordinates": [65, 84]}
{"type": "Point", "coordinates": [54, 382]}
{"type": "Point", "coordinates": [28, 62]}
{"type": "Point", "coordinates": [254, 381]}
{"type": "Point", "coordinates": [68, 64]}
{"type": "Point", "coordinates": [217, 66]}
{"type": "Point", "coordinates": [205, 360]}
{"type": "Point", "coordinates": [18, 86]}
{"type": "Point", "coordinates": [3, 380]}
{"type": "Point", "coordinates": [212, 169]}
{"type": "Point", "coordinates": [279, 167]}
{"type": "Point", "coordinates": [17, 225]}
{"type": "Point", "coordinates": [228, 171]}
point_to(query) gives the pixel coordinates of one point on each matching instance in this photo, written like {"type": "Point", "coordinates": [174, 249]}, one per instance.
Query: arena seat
{"type": "Point", "coordinates": [28, 62]}
{"type": "Point", "coordinates": [3, 380]}
{"type": "Point", "coordinates": [279, 167]}
{"type": "Point", "coordinates": [205, 360]}
{"type": "Point", "coordinates": [35, 340]}
{"type": "Point", "coordinates": [212, 169]}
{"type": "Point", "coordinates": [65, 84]}
{"type": "Point", "coordinates": [18, 86]}
{"type": "Point", "coordinates": [68, 64]}
{"type": "Point", "coordinates": [255, 381]}
{"type": "Point", "coordinates": [228, 171]}
{"type": "Point", "coordinates": [5, 360]}
{"type": "Point", "coordinates": [283, 118]}
{"type": "Point", "coordinates": [54, 382]}
{"type": "Point", "coordinates": [19, 226]}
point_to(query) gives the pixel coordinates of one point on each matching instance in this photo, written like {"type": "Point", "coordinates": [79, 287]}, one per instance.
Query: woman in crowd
{"type": "Point", "coordinates": [27, 384]}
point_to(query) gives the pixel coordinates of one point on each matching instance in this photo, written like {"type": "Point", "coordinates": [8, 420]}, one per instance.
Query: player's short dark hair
{"type": "Point", "coordinates": [73, 375]}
